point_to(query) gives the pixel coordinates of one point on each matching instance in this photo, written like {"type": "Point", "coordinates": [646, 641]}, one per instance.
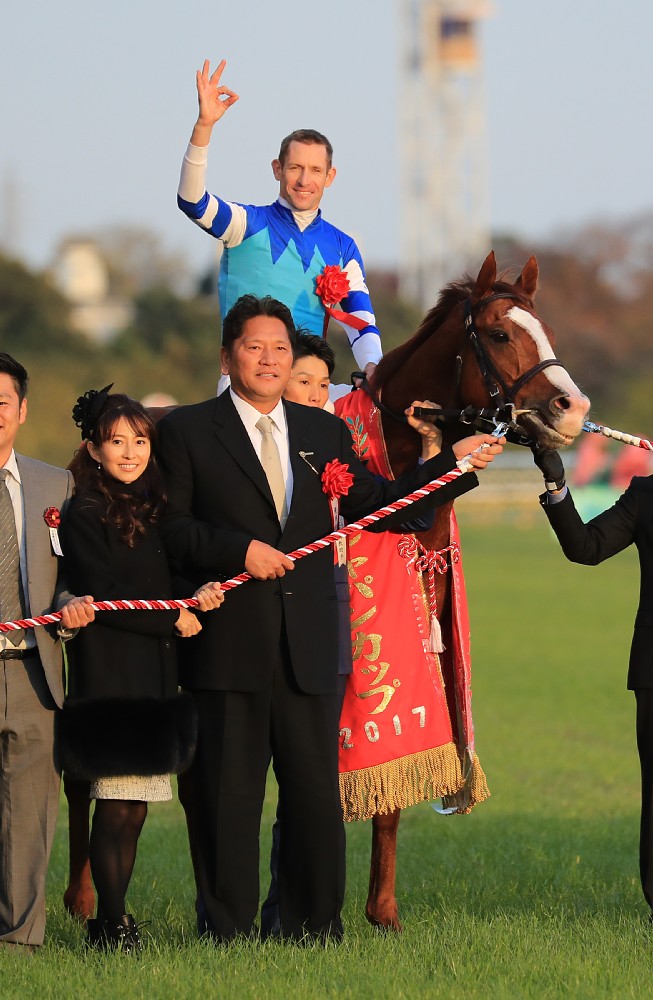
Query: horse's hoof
{"type": "Point", "coordinates": [80, 905]}
{"type": "Point", "coordinates": [389, 923]}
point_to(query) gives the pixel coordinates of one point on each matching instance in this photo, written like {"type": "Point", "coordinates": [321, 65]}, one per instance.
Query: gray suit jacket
{"type": "Point", "coordinates": [45, 486]}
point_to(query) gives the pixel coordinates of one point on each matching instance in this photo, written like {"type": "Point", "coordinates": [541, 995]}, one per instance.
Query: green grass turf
{"type": "Point", "coordinates": [534, 895]}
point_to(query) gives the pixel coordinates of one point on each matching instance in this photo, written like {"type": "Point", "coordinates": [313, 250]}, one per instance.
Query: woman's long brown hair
{"type": "Point", "coordinates": [128, 507]}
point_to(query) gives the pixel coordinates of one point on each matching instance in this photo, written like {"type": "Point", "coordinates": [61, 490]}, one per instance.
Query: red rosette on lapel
{"type": "Point", "coordinates": [336, 482]}
{"type": "Point", "coordinates": [336, 479]}
{"type": "Point", "coordinates": [52, 517]}
{"type": "Point", "coordinates": [331, 287]}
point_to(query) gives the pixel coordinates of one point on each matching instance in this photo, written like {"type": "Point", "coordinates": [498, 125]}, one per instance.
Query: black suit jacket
{"type": "Point", "coordinates": [219, 501]}
{"type": "Point", "coordinates": [629, 520]}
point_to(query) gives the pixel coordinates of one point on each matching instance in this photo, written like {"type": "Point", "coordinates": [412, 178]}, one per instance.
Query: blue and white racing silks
{"type": "Point", "coordinates": [273, 250]}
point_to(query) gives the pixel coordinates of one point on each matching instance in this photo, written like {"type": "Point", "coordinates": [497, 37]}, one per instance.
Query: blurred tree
{"type": "Point", "coordinates": [136, 261]}
{"type": "Point", "coordinates": [33, 315]}
{"type": "Point", "coordinates": [182, 331]}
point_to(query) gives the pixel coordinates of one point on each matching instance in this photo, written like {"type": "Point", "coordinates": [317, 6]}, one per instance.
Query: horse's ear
{"type": "Point", "coordinates": [527, 280]}
{"type": "Point", "coordinates": [486, 276]}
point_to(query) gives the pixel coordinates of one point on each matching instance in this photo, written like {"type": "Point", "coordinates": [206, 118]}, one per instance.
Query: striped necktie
{"type": "Point", "coordinates": [12, 604]}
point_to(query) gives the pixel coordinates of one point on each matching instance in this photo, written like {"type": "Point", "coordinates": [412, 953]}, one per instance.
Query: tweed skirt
{"type": "Point", "coordinates": [133, 788]}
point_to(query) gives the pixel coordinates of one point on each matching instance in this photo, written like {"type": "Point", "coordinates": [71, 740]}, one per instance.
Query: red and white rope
{"type": "Point", "coordinates": [350, 529]}
{"type": "Point", "coordinates": [609, 432]}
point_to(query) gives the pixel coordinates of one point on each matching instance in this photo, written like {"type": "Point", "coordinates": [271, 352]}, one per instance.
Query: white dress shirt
{"type": "Point", "coordinates": [250, 417]}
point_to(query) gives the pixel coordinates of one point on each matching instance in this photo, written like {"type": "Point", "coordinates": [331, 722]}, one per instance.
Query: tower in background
{"type": "Point", "coordinates": [443, 155]}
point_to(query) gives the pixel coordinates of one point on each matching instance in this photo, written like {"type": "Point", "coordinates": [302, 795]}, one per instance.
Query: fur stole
{"type": "Point", "coordinates": [112, 737]}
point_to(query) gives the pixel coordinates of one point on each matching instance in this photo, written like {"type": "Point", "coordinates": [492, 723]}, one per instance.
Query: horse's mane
{"type": "Point", "coordinates": [451, 295]}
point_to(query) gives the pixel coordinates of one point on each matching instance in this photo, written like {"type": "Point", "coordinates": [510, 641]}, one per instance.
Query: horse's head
{"type": "Point", "coordinates": [482, 345]}
{"type": "Point", "coordinates": [508, 356]}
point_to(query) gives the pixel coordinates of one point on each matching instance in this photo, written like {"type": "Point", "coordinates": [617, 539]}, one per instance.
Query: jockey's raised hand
{"type": "Point", "coordinates": [214, 100]}
{"type": "Point", "coordinates": [479, 449]}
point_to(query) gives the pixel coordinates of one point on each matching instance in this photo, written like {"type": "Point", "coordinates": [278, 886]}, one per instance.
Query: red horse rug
{"type": "Point", "coordinates": [406, 733]}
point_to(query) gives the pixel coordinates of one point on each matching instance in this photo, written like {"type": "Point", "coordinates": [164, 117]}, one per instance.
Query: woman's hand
{"type": "Point", "coordinates": [187, 624]}
{"type": "Point", "coordinates": [209, 597]}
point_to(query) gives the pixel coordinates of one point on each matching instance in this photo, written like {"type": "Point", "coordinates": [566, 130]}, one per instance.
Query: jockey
{"type": "Point", "coordinates": [278, 249]}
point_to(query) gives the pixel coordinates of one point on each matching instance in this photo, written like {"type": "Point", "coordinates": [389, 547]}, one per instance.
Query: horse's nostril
{"type": "Point", "coordinates": [561, 402]}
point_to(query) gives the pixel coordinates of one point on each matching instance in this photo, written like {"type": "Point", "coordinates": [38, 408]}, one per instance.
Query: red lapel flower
{"type": "Point", "coordinates": [336, 479]}
{"type": "Point", "coordinates": [332, 285]}
{"type": "Point", "coordinates": [52, 517]}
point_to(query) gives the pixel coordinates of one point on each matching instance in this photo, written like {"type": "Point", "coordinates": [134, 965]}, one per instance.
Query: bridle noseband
{"type": "Point", "coordinates": [500, 393]}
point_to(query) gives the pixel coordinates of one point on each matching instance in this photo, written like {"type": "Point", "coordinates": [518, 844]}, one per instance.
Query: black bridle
{"type": "Point", "coordinates": [500, 393]}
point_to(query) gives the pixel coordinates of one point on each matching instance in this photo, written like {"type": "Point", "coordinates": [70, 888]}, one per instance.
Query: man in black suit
{"type": "Point", "coordinates": [628, 521]}
{"type": "Point", "coordinates": [264, 677]}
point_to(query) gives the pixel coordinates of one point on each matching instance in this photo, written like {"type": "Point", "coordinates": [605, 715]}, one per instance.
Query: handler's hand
{"type": "Point", "coordinates": [550, 465]}
{"type": "Point", "coordinates": [209, 597]}
{"type": "Point", "coordinates": [265, 563]}
{"type": "Point", "coordinates": [187, 624]}
{"type": "Point", "coordinates": [213, 99]}
{"type": "Point", "coordinates": [430, 432]}
{"type": "Point", "coordinates": [468, 448]}
{"type": "Point", "coordinates": [77, 613]}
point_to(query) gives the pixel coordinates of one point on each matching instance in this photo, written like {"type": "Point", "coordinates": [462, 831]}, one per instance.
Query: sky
{"type": "Point", "coordinates": [98, 102]}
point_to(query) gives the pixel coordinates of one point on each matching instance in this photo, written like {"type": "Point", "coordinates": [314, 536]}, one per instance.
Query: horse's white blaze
{"type": "Point", "coordinates": [557, 376]}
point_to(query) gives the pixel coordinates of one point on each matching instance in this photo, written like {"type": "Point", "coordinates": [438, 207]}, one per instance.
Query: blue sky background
{"type": "Point", "coordinates": [98, 101]}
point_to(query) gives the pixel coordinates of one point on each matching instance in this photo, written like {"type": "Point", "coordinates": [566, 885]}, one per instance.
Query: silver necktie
{"type": "Point", "coordinates": [12, 603]}
{"type": "Point", "coordinates": [271, 463]}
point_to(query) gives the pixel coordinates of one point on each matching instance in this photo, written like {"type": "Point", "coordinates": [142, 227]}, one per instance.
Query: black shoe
{"type": "Point", "coordinates": [115, 935]}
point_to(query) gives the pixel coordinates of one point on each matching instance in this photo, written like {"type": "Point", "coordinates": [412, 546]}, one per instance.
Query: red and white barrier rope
{"type": "Point", "coordinates": [609, 432]}
{"type": "Point", "coordinates": [463, 466]}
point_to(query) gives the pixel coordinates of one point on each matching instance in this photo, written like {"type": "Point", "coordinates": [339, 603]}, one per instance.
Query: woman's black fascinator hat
{"type": "Point", "coordinates": [88, 408]}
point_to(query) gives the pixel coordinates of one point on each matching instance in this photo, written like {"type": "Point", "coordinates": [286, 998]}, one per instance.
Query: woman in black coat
{"type": "Point", "coordinates": [126, 727]}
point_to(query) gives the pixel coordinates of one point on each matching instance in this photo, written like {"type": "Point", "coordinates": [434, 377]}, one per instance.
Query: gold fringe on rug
{"type": "Point", "coordinates": [418, 777]}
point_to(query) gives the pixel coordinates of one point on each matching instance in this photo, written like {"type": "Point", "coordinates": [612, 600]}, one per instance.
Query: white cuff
{"type": "Point", "coordinates": [367, 349]}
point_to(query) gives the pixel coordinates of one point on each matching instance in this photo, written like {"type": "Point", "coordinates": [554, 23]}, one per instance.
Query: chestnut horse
{"type": "Point", "coordinates": [482, 345]}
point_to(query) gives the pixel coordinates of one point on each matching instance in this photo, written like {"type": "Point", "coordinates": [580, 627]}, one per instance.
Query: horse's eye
{"type": "Point", "coordinates": [499, 337]}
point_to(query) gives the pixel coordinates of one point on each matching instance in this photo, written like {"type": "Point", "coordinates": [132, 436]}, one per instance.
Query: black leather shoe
{"type": "Point", "coordinates": [114, 935]}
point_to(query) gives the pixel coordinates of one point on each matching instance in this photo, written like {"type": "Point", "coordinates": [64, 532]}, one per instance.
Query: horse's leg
{"type": "Point", "coordinates": [79, 897]}
{"type": "Point", "coordinates": [381, 908]}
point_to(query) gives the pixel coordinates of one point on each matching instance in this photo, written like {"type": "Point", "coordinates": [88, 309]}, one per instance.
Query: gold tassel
{"type": "Point", "coordinates": [473, 791]}
{"type": "Point", "coordinates": [419, 777]}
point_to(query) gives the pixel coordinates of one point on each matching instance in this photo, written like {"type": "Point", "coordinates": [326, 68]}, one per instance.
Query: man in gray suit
{"type": "Point", "coordinates": [32, 498]}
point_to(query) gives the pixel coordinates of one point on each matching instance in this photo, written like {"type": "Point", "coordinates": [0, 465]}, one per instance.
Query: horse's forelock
{"type": "Point", "coordinates": [502, 286]}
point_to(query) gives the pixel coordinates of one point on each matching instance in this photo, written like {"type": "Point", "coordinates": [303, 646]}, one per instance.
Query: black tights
{"type": "Point", "coordinates": [116, 828]}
